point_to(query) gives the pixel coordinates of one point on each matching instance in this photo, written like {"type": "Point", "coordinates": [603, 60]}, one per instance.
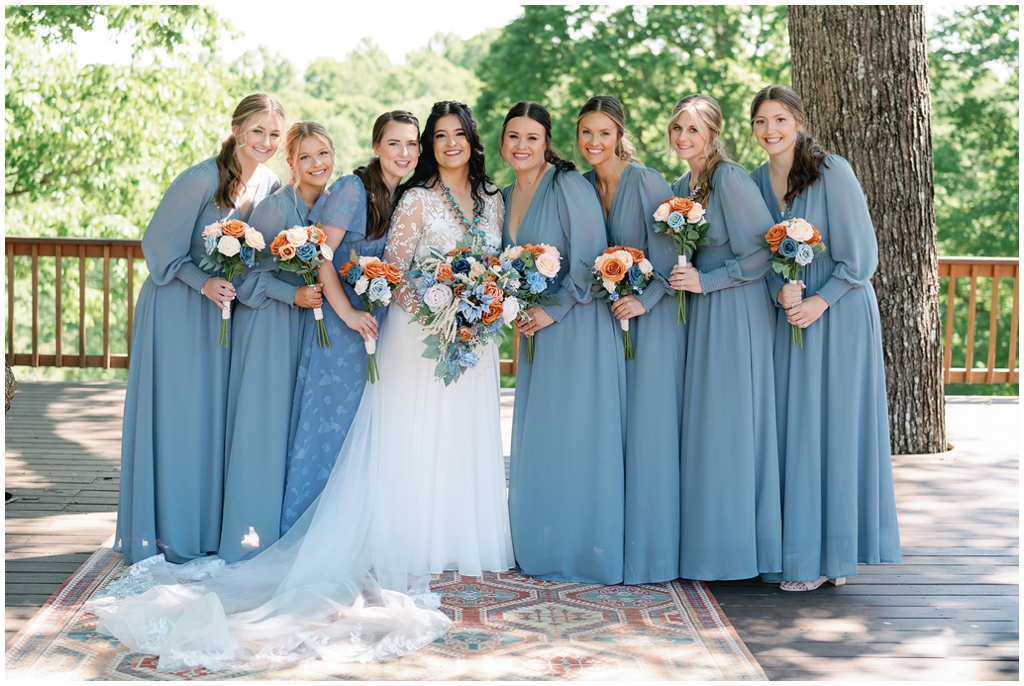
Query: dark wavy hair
{"type": "Point", "coordinates": [539, 114]}
{"type": "Point", "coordinates": [426, 170]}
{"type": "Point", "coordinates": [808, 157]}
{"type": "Point", "coordinates": [248, 115]}
{"type": "Point", "coordinates": [379, 204]}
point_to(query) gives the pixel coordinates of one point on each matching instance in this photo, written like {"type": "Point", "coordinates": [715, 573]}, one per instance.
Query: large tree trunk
{"type": "Point", "coordinates": [862, 72]}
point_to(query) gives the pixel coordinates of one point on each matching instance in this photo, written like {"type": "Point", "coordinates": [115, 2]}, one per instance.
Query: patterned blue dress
{"type": "Point", "coordinates": [654, 385]}
{"type": "Point", "coordinates": [172, 442]}
{"type": "Point", "coordinates": [330, 380]}
{"type": "Point", "coordinates": [265, 342]}
{"type": "Point", "coordinates": [838, 498]}
{"type": "Point", "coordinates": [731, 518]}
{"type": "Point", "coordinates": [566, 481]}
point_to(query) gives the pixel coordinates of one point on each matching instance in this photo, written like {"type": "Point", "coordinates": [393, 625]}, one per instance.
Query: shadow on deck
{"type": "Point", "coordinates": [949, 611]}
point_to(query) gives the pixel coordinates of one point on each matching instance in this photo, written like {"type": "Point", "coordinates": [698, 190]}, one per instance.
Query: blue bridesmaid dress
{"type": "Point", "coordinates": [838, 501]}
{"type": "Point", "coordinates": [330, 380]}
{"type": "Point", "coordinates": [172, 441]}
{"type": "Point", "coordinates": [654, 384]}
{"type": "Point", "coordinates": [731, 517]}
{"type": "Point", "coordinates": [265, 340]}
{"type": "Point", "coordinates": [566, 486]}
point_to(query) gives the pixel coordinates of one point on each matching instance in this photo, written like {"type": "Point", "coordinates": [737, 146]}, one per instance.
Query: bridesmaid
{"type": "Point", "coordinates": [172, 443]}
{"type": "Point", "coordinates": [731, 519]}
{"type": "Point", "coordinates": [265, 356]}
{"type": "Point", "coordinates": [354, 213]}
{"type": "Point", "coordinates": [839, 502]}
{"type": "Point", "coordinates": [566, 474]}
{"type": "Point", "coordinates": [629, 194]}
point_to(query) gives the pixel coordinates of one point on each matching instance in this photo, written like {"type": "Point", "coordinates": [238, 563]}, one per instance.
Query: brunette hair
{"type": "Point", "coordinates": [426, 170]}
{"type": "Point", "coordinates": [607, 105]}
{"type": "Point", "coordinates": [707, 117]}
{"type": "Point", "coordinates": [808, 157]}
{"type": "Point", "coordinates": [539, 114]}
{"type": "Point", "coordinates": [378, 197]}
{"type": "Point", "coordinates": [247, 116]}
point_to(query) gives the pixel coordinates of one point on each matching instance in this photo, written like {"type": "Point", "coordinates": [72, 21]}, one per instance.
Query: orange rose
{"type": "Point", "coordinates": [286, 251]}
{"type": "Point", "coordinates": [317, 235]}
{"type": "Point", "coordinates": [535, 250]}
{"type": "Point", "coordinates": [373, 270]}
{"type": "Point", "coordinates": [457, 289]}
{"type": "Point", "coordinates": [493, 314]}
{"type": "Point", "coordinates": [490, 276]}
{"type": "Point", "coordinates": [392, 274]}
{"type": "Point", "coordinates": [637, 255]}
{"type": "Point", "coordinates": [490, 261]}
{"type": "Point", "coordinates": [680, 205]}
{"type": "Point", "coordinates": [233, 228]}
{"type": "Point", "coordinates": [775, 236]}
{"type": "Point", "coordinates": [464, 334]}
{"type": "Point", "coordinates": [275, 245]}
{"type": "Point", "coordinates": [346, 268]}
{"type": "Point", "coordinates": [444, 273]}
{"type": "Point", "coordinates": [492, 290]}
{"type": "Point", "coordinates": [613, 270]}
{"type": "Point", "coordinates": [815, 239]}
{"type": "Point", "coordinates": [614, 248]}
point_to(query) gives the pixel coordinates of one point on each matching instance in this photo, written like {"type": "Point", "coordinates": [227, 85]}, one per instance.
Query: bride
{"type": "Point", "coordinates": [417, 489]}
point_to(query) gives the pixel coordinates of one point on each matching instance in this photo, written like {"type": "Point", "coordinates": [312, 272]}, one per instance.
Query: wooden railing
{"type": "Point", "coordinates": [83, 249]}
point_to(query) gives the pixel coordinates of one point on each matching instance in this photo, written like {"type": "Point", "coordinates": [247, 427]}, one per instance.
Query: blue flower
{"type": "Point", "coordinates": [675, 220]}
{"type": "Point", "coordinates": [425, 282]}
{"type": "Point", "coordinates": [306, 252]}
{"type": "Point", "coordinates": [471, 311]}
{"type": "Point", "coordinates": [247, 256]}
{"type": "Point", "coordinates": [461, 266]}
{"type": "Point", "coordinates": [536, 282]}
{"type": "Point", "coordinates": [378, 289]}
{"type": "Point", "coordinates": [518, 265]}
{"type": "Point", "coordinates": [635, 275]}
{"type": "Point", "coordinates": [467, 358]}
{"type": "Point", "coordinates": [804, 255]}
{"type": "Point", "coordinates": [210, 244]}
{"type": "Point", "coordinates": [788, 247]}
{"type": "Point", "coordinates": [613, 296]}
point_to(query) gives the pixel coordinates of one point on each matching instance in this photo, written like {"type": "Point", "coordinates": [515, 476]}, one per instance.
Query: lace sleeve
{"type": "Point", "coordinates": [403, 241]}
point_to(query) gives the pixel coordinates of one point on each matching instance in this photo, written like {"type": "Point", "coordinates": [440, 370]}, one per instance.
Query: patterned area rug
{"type": "Point", "coordinates": [507, 627]}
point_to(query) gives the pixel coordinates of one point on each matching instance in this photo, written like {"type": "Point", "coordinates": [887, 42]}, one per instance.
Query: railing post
{"type": "Point", "coordinates": [106, 307]}
{"type": "Point", "coordinates": [947, 353]}
{"type": "Point", "coordinates": [81, 306]}
{"type": "Point", "coordinates": [58, 305]}
{"type": "Point", "coordinates": [10, 303]}
{"type": "Point", "coordinates": [1013, 326]}
{"type": "Point", "coordinates": [35, 305]}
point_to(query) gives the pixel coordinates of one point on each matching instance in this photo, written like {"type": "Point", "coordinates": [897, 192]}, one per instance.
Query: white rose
{"type": "Point", "coordinates": [297, 235]}
{"type": "Point", "coordinates": [254, 239]}
{"type": "Point", "coordinates": [512, 253]}
{"type": "Point", "coordinates": [361, 285]}
{"type": "Point", "coordinates": [437, 296]}
{"type": "Point", "coordinates": [496, 269]}
{"type": "Point", "coordinates": [623, 257]}
{"type": "Point", "coordinates": [326, 251]}
{"type": "Point", "coordinates": [661, 214]}
{"type": "Point", "coordinates": [365, 260]}
{"type": "Point", "coordinates": [695, 214]}
{"type": "Point", "coordinates": [552, 250]}
{"type": "Point", "coordinates": [599, 262]}
{"type": "Point", "coordinates": [548, 264]}
{"type": "Point", "coordinates": [509, 309]}
{"type": "Point", "coordinates": [800, 230]}
{"type": "Point", "coordinates": [212, 231]}
{"type": "Point", "coordinates": [645, 266]}
{"type": "Point", "coordinates": [229, 246]}
{"type": "Point", "coordinates": [608, 285]}
{"type": "Point", "coordinates": [476, 270]}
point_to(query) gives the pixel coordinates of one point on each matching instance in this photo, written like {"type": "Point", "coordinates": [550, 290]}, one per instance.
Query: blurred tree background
{"type": "Point", "coordinates": [90, 148]}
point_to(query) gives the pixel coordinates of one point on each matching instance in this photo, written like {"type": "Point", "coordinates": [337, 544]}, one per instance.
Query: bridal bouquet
{"type": "Point", "coordinates": [683, 220]}
{"type": "Point", "coordinates": [302, 249]}
{"type": "Point", "coordinates": [536, 267]}
{"type": "Point", "coordinates": [373, 280]}
{"type": "Point", "coordinates": [465, 299]}
{"type": "Point", "coordinates": [230, 247]}
{"type": "Point", "coordinates": [794, 244]}
{"type": "Point", "coordinates": [617, 272]}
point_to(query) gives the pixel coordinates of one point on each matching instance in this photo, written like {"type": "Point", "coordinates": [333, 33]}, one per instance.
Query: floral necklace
{"type": "Point", "coordinates": [474, 230]}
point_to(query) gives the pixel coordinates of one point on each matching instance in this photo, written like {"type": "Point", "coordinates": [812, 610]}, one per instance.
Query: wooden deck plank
{"type": "Point", "coordinates": [949, 611]}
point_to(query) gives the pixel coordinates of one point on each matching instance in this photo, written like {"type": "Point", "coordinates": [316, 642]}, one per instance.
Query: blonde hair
{"type": "Point", "coordinates": [300, 131]}
{"type": "Point", "coordinates": [612, 108]}
{"type": "Point", "coordinates": [249, 114]}
{"type": "Point", "coordinates": [707, 118]}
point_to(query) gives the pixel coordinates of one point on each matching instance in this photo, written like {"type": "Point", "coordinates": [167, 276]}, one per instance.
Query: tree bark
{"type": "Point", "coordinates": [862, 72]}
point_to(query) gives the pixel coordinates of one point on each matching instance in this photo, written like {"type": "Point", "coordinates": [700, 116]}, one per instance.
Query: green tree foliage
{"type": "Point", "coordinates": [647, 57]}
{"type": "Point", "coordinates": [974, 62]}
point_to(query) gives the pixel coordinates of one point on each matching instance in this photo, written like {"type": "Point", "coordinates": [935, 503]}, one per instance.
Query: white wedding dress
{"type": "Point", "coordinates": [418, 488]}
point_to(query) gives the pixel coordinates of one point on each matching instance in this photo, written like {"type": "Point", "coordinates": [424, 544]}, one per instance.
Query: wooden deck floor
{"type": "Point", "coordinates": [950, 611]}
